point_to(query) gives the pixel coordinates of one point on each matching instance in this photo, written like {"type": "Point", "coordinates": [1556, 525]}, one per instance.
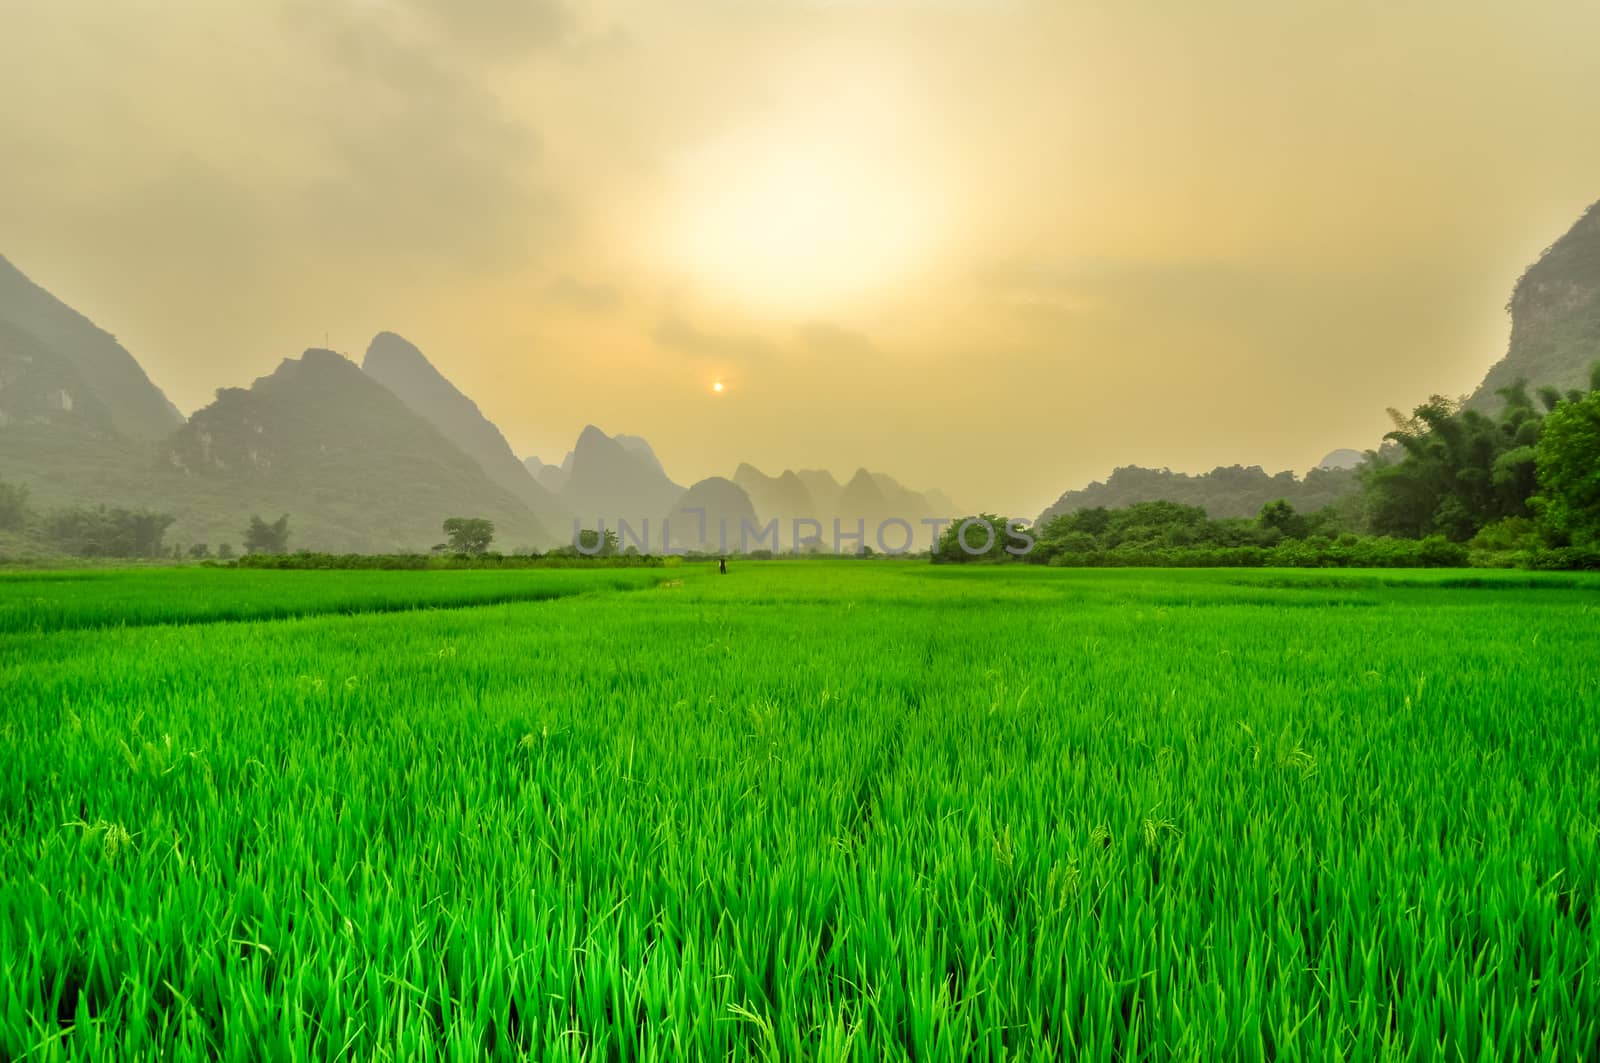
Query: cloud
{"type": "Point", "coordinates": [573, 294]}
{"type": "Point", "coordinates": [498, 29]}
{"type": "Point", "coordinates": [832, 340]}
{"type": "Point", "coordinates": [675, 333]}
{"type": "Point", "coordinates": [418, 157]}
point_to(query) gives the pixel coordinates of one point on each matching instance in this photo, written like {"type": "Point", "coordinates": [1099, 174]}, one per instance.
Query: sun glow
{"type": "Point", "coordinates": [808, 213]}
{"type": "Point", "coordinates": [717, 387]}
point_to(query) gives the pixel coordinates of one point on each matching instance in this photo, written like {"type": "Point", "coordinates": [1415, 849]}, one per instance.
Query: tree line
{"type": "Point", "coordinates": [1450, 485]}
{"type": "Point", "coordinates": [122, 533]}
{"type": "Point", "coordinates": [84, 531]}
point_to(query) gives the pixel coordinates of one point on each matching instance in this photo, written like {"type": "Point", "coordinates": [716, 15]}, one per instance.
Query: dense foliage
{"type": "Point", "coordinates": [807, 811]}
{"type": "Point", "coordinates": [261, 537]}
{"type": "Point", "coordinates": [1461, 471]}
{"type": "Point", "coordinates": [468, 535]}
{"type": "Point", "coordinates": [984, 537]}
{"type": "Point", "coordinates": [103, 531]}
{"type": "Point", "coordinates": [1169, 534]}
{"type": "Point", "coordinates": [93, 532]}
{"type": "Point", "coordinates": [1568, 458]}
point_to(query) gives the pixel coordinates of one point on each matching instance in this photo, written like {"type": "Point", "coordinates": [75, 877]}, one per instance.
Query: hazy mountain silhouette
{"type": "Point", "coordinates": [822, 487]}
{"type": "Point", "coordinates": [1343, 458]}
{"type": "Point", "coordinates": [1555, 337]}
{"type": "Point", "coordinates": [552, 478]}
{"type": "Point", "coordinates": [61, 435]}
{"type": "Point", "coordinates": [909, 504]}
{"type": "Point", "coordinates": [56, 435]}
{"type": "Point", "coordinates": [727, 509]}
{"type": "Point", "coordinates": [1226, 491]}
{"type": "Point", "coordinates": [399, 366]}
{"type": "Point", "coordinates": [863, 499]}
{"type": "Point", "coordinates": [941, 505]}
{"type": "Point", "coordinates": [637, 445]}
{"type": "Point", "coordinates": [783, 497]}
{"type": "Point", "coordinates": [355, 466]}
{"type": "Point", "coordinates": [872, 497]}
{"type": "Point", "coordinates": [136, 407]}
{"type": "Point", "coordinates": [363, 459]}
{"type": "Point", "coordinates": [1555, 317]}
{"type": "Point", "coordinates": [610, 480]}
{"type": "Point", "coordinates": [40, 389]}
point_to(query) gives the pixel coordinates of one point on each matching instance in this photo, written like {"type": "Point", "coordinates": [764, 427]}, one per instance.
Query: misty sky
{"type": "Point", "coordinates": [997, 246]}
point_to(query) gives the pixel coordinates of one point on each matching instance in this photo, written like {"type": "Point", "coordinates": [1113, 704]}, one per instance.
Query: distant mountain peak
{"type": "Point", "coordinates": [721, 508]}
{"type": "Point", "coordinates": [609, 479]}
{"type": "Point", "coordinates": [353, 463]}
{"type": "Point", "coordinates": [320, 357]}
{"type": "Point", "coordinates": [1555, 317]}
{"type": "Point", "coordinates": [640, 446]}
{"type": "Point", "coordinates": [1343, 458]}
{"type": "Point", "coordinates": [393, 349]}
{"type": "Point", "coordinates": [135, 406]}
{"type": "Point", "coordinates": [402, 368]}
{"type": "Point", "coordinates": [593, 435]}
{"type": "Point", "coordinates": [822, 485]}
{"type": "Point", "coordinates": [385, 342]}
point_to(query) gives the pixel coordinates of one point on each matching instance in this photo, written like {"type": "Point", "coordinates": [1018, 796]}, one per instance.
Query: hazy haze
{"type": "Point", "coordinates": [908, 235]}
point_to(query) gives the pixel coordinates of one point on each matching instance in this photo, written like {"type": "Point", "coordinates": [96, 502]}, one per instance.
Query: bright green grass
{"type": "Point", "coordinates": [826, 811]}
{"type": "Point", "coordinates": [54, 601]}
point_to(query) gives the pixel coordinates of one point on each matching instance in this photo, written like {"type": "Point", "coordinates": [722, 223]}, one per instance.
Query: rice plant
{"type": "Point", "coordinates": [807, 811]}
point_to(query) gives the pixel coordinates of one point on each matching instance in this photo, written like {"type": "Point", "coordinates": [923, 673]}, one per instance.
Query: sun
{"type": "Point", "coordinates": [717, 387]}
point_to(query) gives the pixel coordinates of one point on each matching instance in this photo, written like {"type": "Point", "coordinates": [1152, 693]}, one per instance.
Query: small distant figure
{"type": "Point", "coordinates": [722, 566]}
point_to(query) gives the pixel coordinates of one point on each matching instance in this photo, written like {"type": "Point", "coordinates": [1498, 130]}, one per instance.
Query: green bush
{"type": "Point", "coordinates": [1560, 559]}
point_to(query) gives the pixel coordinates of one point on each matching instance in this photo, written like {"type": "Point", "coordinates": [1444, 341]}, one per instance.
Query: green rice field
{"type": "Point", "coordinates": [805, 811]}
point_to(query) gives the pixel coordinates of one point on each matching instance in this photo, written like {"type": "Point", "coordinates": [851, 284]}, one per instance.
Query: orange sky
{"type": "Point", "coordinates": [997, 246]}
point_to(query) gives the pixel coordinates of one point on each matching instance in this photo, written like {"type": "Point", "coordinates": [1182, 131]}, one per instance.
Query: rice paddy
{"type": "Point", "coordinates": [824, 811]}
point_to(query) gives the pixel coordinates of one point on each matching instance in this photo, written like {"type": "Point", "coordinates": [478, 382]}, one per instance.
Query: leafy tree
{"type": "Point", "coordinates": [199, 551]}
{"type": "Point", "coordinates": [1156, 524]}
{"type": "Point", "coordinates": [225, 552]}
{"type": "Point", "coordinates": [1068, 541]}
{"type": "Point", "coordinates": [1280, 517]}
{"type": "Point", "coordinates": [263, 538]}
{"type": "Point", "coordinates": [592, 543]}
{"type": "Point", "coordinates": [1153, 529]}
{"type": "Point", "coordinates": [984, 537]}
{"type": "Point", "coordinates": [104, 532]}
{"type": "Point", "coordinates": [13, 506]}
{"type": "Point", "coordinates": [1569, 470]}
{"type": "Point", "coordinates": [469, 535]}
{"type": "Point", "coordinates": [1458, 469]}
{"type": "Point", "coordinates": [1511, 533]}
